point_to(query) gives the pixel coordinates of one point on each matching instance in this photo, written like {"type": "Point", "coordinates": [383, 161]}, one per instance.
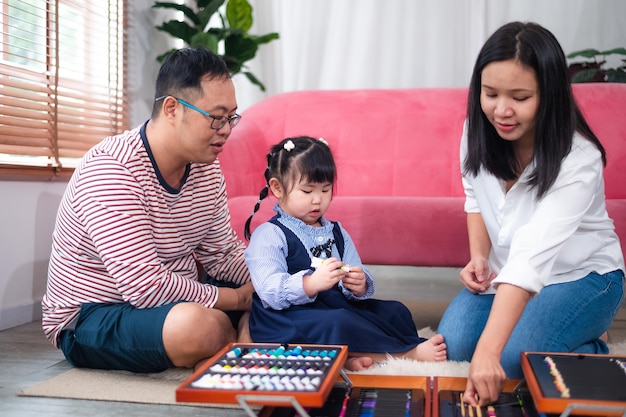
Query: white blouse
{"type": "Point", "coordinates": [560, 238]}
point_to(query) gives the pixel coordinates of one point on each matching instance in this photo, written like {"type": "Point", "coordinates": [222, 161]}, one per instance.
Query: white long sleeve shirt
{"type": "Point", "coordinates": [560, 238]}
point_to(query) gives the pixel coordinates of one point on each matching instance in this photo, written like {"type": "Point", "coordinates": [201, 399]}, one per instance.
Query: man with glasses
{"type": "Point", "coordinates": [142, 214]}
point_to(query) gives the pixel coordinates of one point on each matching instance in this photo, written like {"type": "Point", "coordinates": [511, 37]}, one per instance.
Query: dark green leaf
{"type": "Point", "coordinates": [587, 53]}
{"type": "Point", "coordinates": [616, 76]}
{"type": "Point", "coordinates": [239, 14]}
{"type": "Point", "coordinates": [619, 51]}
{"type": "Point", "coordinates": [220, 33]}
{"type": "Point", "coordinates": [162, 57]}
{"type": "Point", "coordinates": [180, 30]}
{"type": "Point", "coordinates": [259, 40]}
{"type": "Point", "coordinates": [242, 48]}
{"type": "Point", "coordinates": [206, 10]}
{"type": "Point", "coordinates": [584, 76]}
{"type": "Point", "coordinates": [211, 4]}
{"type": "Point", "coordinates": [206, 40]}
{"type": "Point", "coordinates": [233, 64]}
{"type": "Point", "coordinates": [191, 15]}
{"type": "Point", "coordinates": [254, 80]}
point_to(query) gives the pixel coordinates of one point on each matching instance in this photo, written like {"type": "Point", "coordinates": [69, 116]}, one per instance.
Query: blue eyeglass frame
{"type": "Point", "coordinates": [231, 120]}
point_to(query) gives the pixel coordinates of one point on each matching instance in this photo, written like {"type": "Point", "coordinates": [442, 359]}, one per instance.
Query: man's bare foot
{"type": "Point", "coordinates": [434, 349]}
{"type": "Point", "coordinates": [199, 364]}
{"type": "Point", "coordinates": [358, 363]}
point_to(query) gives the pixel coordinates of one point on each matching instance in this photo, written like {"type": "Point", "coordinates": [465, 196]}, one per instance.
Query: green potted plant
{"type": "Point", "coordinates": [231, 40]}
{"type": "Point", "coordinates": [593, 69]}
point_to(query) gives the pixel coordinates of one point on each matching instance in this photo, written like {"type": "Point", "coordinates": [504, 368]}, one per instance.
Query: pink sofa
{"type": "Point", "coordinates": [399, 191]}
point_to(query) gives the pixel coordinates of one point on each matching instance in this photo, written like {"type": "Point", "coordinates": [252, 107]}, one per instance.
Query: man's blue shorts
{"type": "Point", "coordinates": [117, 336]}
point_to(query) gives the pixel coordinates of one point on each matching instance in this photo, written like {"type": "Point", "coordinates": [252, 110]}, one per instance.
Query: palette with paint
{"type": "Point", "coordinates": [264, 373]}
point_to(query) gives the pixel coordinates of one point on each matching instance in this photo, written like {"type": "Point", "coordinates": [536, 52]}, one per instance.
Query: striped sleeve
{"type": "Point", "coordinates": [120, 236]}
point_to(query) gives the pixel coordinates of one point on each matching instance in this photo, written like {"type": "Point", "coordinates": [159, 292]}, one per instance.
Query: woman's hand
{"type": "Point", "coordinates": [485, 380]}
{"type": "Point", "coordinates": [486, 375]}
{"type": "Point", "coordinates": [477, 276]}
{"type": "Point", "coordinates": [355, 281]}
{"type": "Point", "coordinates": [328, 274]}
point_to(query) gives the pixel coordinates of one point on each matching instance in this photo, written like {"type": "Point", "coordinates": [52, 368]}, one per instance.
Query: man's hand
{"type": "Point", "coordinates": [235, 299]}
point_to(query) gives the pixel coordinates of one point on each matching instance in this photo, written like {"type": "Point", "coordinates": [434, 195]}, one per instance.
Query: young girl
{"type": "Point", "coordinates": [546, 271]}
{"type": "Point", "coordinates": [310, 285]}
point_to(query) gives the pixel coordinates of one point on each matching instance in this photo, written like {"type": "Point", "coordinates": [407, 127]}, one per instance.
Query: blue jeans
{"type": "Point", "coordinates": [566, 317]}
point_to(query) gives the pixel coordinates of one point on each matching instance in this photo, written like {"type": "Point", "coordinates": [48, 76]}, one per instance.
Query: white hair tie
{"type": "Point", "coordinates": [289, 146]}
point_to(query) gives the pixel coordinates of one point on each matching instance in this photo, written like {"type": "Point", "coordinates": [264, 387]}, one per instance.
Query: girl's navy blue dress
{"type": "Point", "coordinates": [368, 326]}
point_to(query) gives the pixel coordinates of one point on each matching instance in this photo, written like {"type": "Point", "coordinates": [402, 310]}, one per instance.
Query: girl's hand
{"type": "Point", "coordinates": [325, 277]}
{"type": "Point", "coordinates": [355, 281]}
{"type": "Point", "coordinates": [476, 275]}
{"type": "Point", "coordinates": [485, 380]}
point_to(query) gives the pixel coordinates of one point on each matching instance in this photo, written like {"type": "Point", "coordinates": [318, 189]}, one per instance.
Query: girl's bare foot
{"type": "Point", "coordinates": [358, 363]}
{"type": "Point", "coordinates": [434, 349]}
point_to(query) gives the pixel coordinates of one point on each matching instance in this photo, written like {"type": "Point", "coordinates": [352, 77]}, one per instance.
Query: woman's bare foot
{"type": "Point", "coordinates": [358, 363]}
{"type": "Point", "coordinates": [434, 349]}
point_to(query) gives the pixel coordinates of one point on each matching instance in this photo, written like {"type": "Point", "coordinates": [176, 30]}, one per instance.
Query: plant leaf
{"type": "Point", "coordinates": [216, 4]}
{"type": "Point", "coordinates": [205, 39]}
{"type": "Point", "coordinates": [615, 76]}
{"type": "Point", "coordinates": [259, 40]}
{"type": "Point", "coordinates": [619, 51]}
{"type": "Point", "coordinates": [587, 53]}
{"type": "Point", "coordinates": [584, 76]}
{"type": "Point", "coordinates": [206, 10]}
{"type": "Point", "coordinates": [239, 14]}
{"type": "Point", "coordinates": [191, 15]}
{"type": "Point", "coordinates": [162, 57]}
{"type": "Point", "coordinates": [241, 47]}
{"type": "Point", "coordinates": [254, 80]}
{"type": "Point", "coordinates": [180, 30]}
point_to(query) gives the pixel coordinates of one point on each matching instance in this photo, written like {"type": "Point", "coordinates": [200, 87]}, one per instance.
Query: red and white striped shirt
{"type": "Point", "coordinates": [122, 236]}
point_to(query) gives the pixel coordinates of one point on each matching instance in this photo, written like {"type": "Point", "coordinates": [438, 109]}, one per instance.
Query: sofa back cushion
{"type": "Point", "coordinates": [401, 142]}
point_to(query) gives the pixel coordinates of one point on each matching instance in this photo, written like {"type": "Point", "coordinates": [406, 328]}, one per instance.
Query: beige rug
{"type": "Point", "coordinates": [94, 384]}
{"type": "Point", "coordinates": [90, 384]}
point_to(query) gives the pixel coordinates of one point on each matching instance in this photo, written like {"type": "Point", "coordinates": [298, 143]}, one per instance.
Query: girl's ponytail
{"type": "Point", "coordinates": [264, 192]}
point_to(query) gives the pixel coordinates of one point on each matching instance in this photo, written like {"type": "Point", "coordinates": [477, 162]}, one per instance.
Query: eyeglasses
{"type": "Point", "coordinates": [217, 122]}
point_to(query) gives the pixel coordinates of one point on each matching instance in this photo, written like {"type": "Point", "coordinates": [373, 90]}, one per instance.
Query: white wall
{"type": "Point", "coordinates": [325, 44]}
{"type": "Point", "coordinates": [26, 222]}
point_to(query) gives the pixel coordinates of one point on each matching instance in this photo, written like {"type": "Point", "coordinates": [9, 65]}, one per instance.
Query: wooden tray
{"type": "Point", "coordinates": [252, 373]}
{"type": "Point", "coordinates": [395, 396]}
{"type": "Point", "coordinates": [446, 400]}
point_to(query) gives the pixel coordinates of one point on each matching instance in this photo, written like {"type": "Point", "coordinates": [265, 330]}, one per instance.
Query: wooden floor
{"type": "Point", "coordinates": [26, 357]}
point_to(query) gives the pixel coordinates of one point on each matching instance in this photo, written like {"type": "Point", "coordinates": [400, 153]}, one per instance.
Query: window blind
{"type": "Point", "coordinates": [62, 82]}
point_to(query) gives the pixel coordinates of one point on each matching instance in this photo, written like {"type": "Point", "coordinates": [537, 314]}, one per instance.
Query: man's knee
{"type": "Point", "coordinates": [192, 332]}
